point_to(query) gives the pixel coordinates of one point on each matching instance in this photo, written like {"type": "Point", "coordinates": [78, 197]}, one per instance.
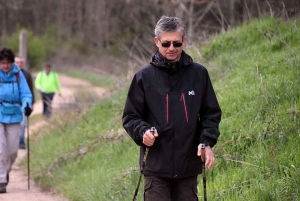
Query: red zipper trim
{"type": "Point", "coordinates": [167, 108]}
{"type": "Point", "coordinates": [185, 109]}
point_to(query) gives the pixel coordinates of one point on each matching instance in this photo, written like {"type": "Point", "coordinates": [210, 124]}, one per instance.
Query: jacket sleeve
{"type": "Point", "coordinates": [37, 81]}
{"type": "Point", "coordinates": [57, 83]}
{"type": "Point", "coordinates": [210, 114]}
{"type": "Point", "coordinates": [30, 84]}
{"type": "Point", "coordinates": [135, 111]}
{"type": "Point", "coordinates": [24, 91]}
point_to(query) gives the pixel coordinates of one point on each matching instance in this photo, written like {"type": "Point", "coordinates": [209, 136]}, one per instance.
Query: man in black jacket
{"type": "Point", "coordinates": [175, 95]}
{"type": "Point", "coordinates": [20, 63]}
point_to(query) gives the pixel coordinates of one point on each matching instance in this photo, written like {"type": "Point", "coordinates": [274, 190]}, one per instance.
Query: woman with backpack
{"type": "Point", "coordinates": [15, 98]}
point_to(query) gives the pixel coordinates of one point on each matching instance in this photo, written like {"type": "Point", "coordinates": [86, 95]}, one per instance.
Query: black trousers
{"type": "Point", "coordinates": [47, 101]}
{"type": "Point", "coordinates": [164, 189]}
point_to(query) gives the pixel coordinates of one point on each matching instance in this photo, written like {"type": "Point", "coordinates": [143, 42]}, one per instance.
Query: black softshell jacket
{"type": "Point", "coordinates": [182, 106]}
{"type": "Point", "coordinates": [28, 78]}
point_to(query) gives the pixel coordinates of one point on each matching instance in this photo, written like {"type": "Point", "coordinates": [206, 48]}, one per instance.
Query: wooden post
{"type": "Point", "coordinates": [23, 48]}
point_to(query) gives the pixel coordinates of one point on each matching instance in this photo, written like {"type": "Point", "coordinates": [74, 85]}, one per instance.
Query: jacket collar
{"type": "Point", "coordinates": [159, 61]}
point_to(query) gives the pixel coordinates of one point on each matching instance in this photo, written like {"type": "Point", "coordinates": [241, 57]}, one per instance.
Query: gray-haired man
{"type": "Point", "coordinates": [20, 63]}
{"type": "Point", "coordinates": [175, 95]}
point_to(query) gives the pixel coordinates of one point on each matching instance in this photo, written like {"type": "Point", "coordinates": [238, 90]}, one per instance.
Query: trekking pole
{"type": "Point", "coordinates": [152, 130]}
{"type": "Point", "coordinates": [203, 169]}
{"type": "Point", "coordinates": [28, 155]}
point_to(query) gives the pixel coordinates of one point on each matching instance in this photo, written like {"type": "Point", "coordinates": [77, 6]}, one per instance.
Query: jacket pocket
{"type": "Point", "coordinates": [10, 109]}
{"type": "Point", "coordinates": [147, 185]}
{"type": "Point", "coordinates": [195, 190]}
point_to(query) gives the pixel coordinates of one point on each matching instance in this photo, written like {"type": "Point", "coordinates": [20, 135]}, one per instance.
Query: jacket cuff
{"type": "Point", "coordinates": [143, 133]}
{"type": "Point", "coordinates": [208, 141]}
{"type": "Point", "coordinates": [205, 142]}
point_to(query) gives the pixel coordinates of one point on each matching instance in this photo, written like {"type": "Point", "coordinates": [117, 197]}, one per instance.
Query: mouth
{"type": "Point", "coordinates": [171, 56]}
{"type": "Point", "coordinates": [171, 53]}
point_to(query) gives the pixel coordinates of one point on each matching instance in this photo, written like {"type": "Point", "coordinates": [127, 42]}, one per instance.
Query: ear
{"type": "Point", "coordinates": [184, 40]}
{"type": "Point", "coordinates": [156, 41]}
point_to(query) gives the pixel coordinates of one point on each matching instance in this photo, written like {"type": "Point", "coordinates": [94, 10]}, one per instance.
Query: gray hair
{"type": "Point", "coordinates": [19, 57]}
{"type": "Point", "coordinates": [169, 24]}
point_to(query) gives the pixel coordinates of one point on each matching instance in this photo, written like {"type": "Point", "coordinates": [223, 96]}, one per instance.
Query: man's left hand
{"type": "Point", "coordinates": [209, 156]}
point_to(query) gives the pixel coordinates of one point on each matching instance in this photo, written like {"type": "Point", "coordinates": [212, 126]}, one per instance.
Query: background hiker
{"type": "Point", "coordinates": [47, 82]}
{"type": "Point", "coordinates": [176, 96]}
{"type": "Point", "coordinates": [13, 90]}
{"type": "Point", "coordinates": [20, 63]}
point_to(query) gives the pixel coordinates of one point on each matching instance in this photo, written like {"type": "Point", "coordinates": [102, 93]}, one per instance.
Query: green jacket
{"type": "Point", "coordinates": [47, 83]}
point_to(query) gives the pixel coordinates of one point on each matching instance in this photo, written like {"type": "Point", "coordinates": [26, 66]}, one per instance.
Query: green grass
{"type": "Point", "coordinates": [104, 164]}
{"type": "Point", "coordinates": [255, 72]}
{"type": "Point", "coordinates": [258, 153]}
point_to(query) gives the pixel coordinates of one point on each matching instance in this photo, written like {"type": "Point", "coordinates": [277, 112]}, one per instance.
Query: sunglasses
{"type": "Point", "coordinates": [168, 44]}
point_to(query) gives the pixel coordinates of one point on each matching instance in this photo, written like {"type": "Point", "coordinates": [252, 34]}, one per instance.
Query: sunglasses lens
{"type": "Point", "coordinates": [166, 44]}
{"type": "Point", "coordinates": [176, 44]}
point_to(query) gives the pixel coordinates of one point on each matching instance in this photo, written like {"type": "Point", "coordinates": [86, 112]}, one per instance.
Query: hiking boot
{"type": "Point", "coordinates": [2, 187]}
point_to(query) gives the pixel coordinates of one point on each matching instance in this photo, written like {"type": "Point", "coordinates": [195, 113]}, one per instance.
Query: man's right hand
{"type": "Point", "coordinates": [149, 138]}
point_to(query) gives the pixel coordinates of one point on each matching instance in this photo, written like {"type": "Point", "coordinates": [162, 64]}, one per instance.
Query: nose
{"type": "Point", "coordinates": [171, 47]}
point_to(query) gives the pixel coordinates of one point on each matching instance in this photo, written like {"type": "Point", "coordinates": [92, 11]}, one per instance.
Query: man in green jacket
{"type": "Point", "coordinates": [47, 83]}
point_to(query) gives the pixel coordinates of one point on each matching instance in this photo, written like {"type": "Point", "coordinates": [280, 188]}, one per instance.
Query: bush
{"type": "Point", "coordinates": [39, 46]}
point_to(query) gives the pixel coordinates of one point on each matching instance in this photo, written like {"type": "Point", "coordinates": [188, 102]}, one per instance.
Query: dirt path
{"type": "Point", "coordinates": [17, 189]}
{"type": "Point", "coordinates": [69, 86]}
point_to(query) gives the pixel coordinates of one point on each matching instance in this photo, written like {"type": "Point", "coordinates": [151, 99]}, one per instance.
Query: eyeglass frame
{"type": "Point", "coordinates": [168, 43]}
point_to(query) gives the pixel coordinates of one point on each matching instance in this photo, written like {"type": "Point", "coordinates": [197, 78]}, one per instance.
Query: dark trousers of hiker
{"type": "Point", "coordinates": [163, 189]}
{"type": "Point", "coordinates": [47, 101]}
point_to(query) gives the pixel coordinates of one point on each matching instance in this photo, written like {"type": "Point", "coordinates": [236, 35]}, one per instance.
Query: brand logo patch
{"type": "Point", "coordinates": [191, 93]}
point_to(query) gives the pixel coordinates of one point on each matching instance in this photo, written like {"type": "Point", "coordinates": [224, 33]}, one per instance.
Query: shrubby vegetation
{"type": "Point", "coordinates": [128, 24]}
{"type": "Point", "coordinates": [39, 46]}
{"type": "Point", "coordinates": [255, 72]}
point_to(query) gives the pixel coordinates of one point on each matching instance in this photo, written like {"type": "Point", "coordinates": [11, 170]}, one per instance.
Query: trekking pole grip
{"type": "Point", "coordinates": [152, 130]}
{"type": "Point", "coordinates": [202, 146]}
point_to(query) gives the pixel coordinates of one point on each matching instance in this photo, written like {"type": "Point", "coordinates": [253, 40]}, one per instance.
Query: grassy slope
{"type": "Point", "coordinates": [258, 157]}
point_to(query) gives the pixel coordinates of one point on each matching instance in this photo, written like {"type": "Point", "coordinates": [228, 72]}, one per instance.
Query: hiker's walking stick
{"type": "Point", "coordinates": [152, 130]}
{"type": "Point", "coordinates": [28, 155]}
{"type": "Point", "coordinates": [203, 169]}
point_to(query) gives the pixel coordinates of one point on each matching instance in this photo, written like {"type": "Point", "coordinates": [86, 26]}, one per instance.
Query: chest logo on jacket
{"type": "Point", "coordinates": [191, 93]}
